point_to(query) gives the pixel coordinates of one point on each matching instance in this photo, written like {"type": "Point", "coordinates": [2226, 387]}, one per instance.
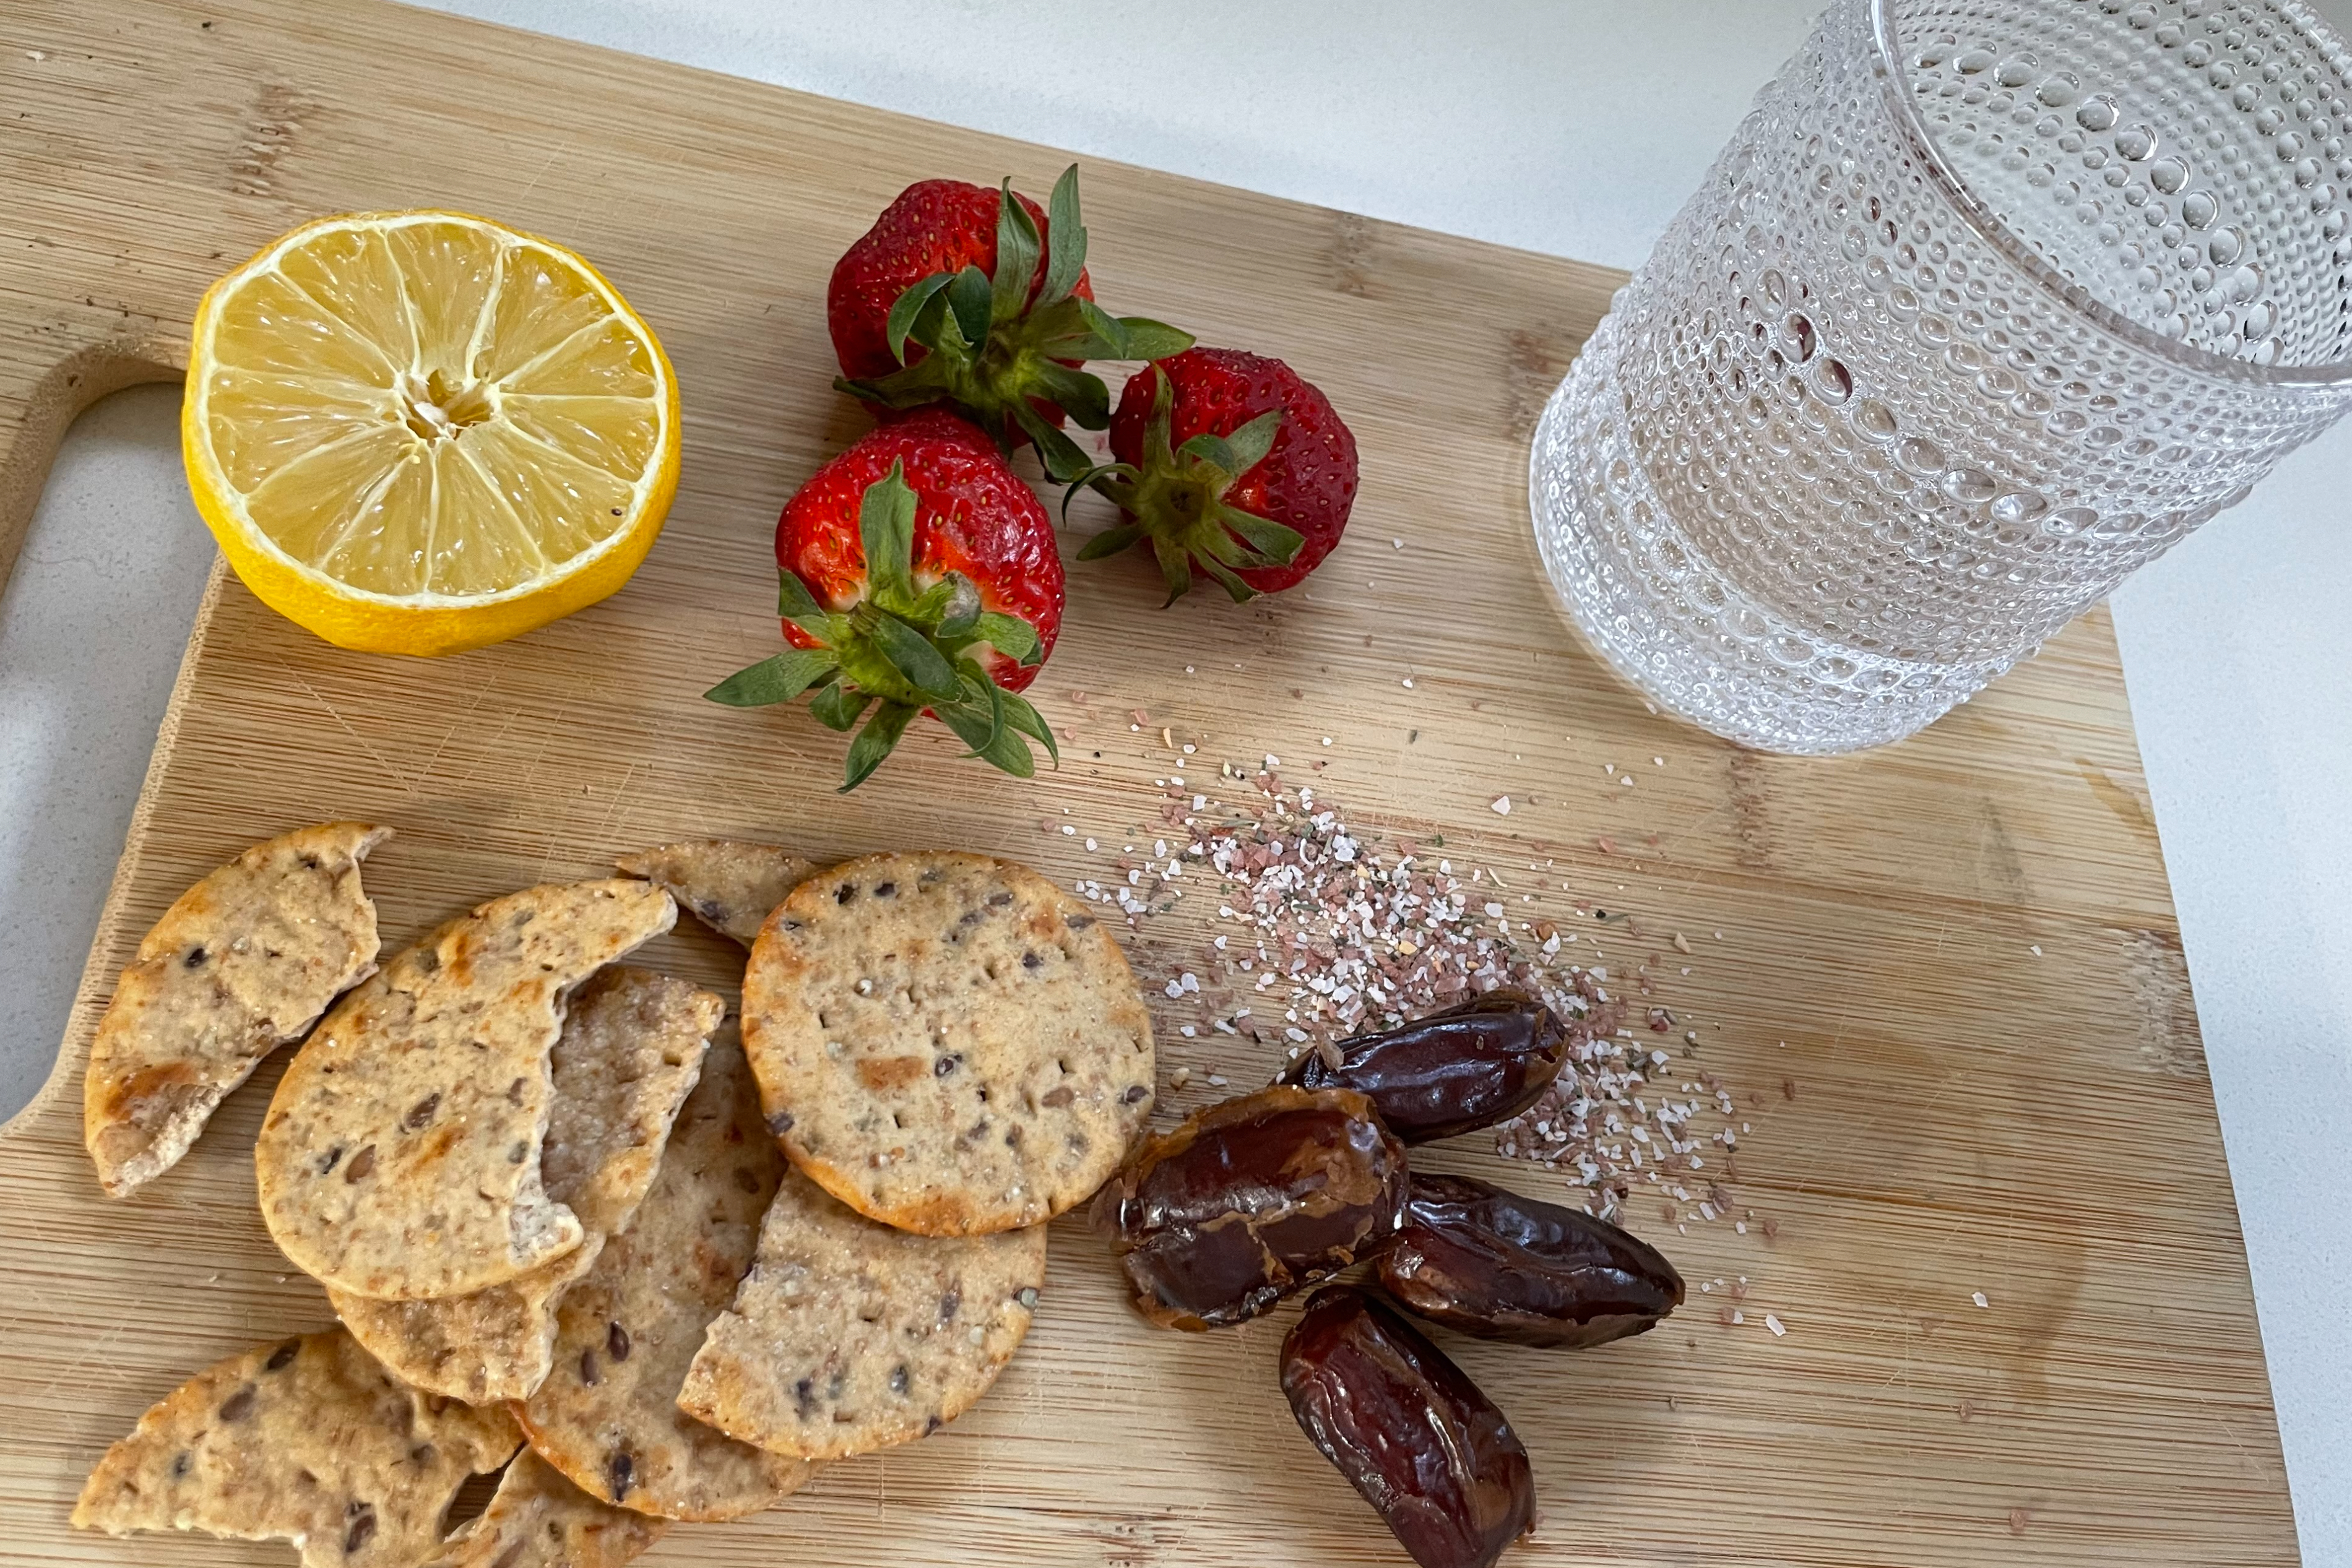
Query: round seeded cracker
{"type": "Point", "coordinates": [849, 1336]}
{"type": "Point", "coordinates": [946, 1044]}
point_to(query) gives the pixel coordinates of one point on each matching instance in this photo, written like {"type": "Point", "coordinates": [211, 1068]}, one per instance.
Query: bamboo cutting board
{"type": "Point", "coordinates": [1949, 988]}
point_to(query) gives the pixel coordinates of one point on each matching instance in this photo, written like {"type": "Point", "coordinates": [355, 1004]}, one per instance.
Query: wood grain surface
{"type": "Point", "coordinates": [1936, 1110]}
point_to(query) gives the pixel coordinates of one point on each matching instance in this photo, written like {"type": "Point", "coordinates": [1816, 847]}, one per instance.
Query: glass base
{"type": "Point", "coordinates": [1674, 624]}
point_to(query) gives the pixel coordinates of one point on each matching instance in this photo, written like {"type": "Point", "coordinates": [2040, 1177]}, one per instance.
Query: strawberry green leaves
{"type": "Point", "coordinates": [1175, 497]}
{"type": "Point", "coordinates": [1007, 347]}
{"type": "Point", "coordinates": [903, 648]}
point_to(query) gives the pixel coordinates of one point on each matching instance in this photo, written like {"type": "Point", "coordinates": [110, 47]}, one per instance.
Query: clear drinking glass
{"type": "Point", "coordinates": [1988, 303]}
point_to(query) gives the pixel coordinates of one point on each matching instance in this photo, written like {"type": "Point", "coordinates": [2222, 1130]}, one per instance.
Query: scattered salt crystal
{"type": "Point", "coordinates": [2035, 949]}
{"type": "Point", "coordinates": [1408, 683]}
{"type": "Point", "coordinates": [1072, 832]}
{"type": "Point", "coordinates": [1185, 1030]}
{"type": "Point", "coordinates": [1773, 1323]}
{"type": "Point", "coordinates": [1090, 844]}
{"type": "Point", "coordinates": [1501, 805]}
{"type": "Point", "coordinates": [1217, 1081]}
{"type": "Point", "coordinates": [1978, 1298]}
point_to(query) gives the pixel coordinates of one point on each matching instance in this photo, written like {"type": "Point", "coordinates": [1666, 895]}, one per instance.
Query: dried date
{"type": "Point", "coordinates": [1468, 1067]}
{"type": "Point", "coordinates": [1409, 1430]}
{"type": "Point", "coordinates": [1491, 1263]}
{"type": "Point", "coordinates": [1250, 1200]}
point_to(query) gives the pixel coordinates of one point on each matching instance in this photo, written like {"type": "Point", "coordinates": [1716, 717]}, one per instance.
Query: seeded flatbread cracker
{"type": "Point", "coordinates": [241, 964]}
{"type": "Point", "coordinates": [539, 1520]}
{"type": "Point", "coordinates": [946, 1044]}
{"type": "Point", "coordinates": [306, 1440]}
{"type": "Point", "coordinates": [848, 1336]}
{"type": "Point", "coordinates": [401, 1155]}
{"type": "Point", "coordinates": [607, 1416]}
{"type": "Point", "coordinates": [726, 884]}
{"type": "Point", "coordinates": [630, 1051]}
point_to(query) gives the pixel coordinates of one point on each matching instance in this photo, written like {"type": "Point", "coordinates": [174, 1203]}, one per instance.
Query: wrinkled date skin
{"type": "Point", "coordinates": [1250, 1200]}
{"type": "Point", "coordinates": [1409, 1430]}
{"type": "Point", "coordinates": [1468, 1067]}
{"type": "Point", "coordinates": [1494, 1264]}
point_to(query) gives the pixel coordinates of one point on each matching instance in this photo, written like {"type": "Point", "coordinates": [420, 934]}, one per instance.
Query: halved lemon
{"type": "Point", "coordinates": [419, 432]}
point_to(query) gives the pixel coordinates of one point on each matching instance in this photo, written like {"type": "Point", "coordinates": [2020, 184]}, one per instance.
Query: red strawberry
{"type": "Point", "coordinates": [934, 226]}
{"type": "Point", "coordinates": [974, 298]}
{"type": "Point", "coordinates": [917, 574]}
{"type": "Point", "coordinates": [1233, 466]}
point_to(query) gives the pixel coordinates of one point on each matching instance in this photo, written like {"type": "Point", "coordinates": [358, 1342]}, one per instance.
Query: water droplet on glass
{"type": "Point", "coordinates": [2198, 209]}
{"type": "Point", "coordinates": [2168, 174]}
{"type": "Point", "coordinates": [2061, 89]}
{"type": "Point", "coordinates": [1875, 419]}
{"type": "Point", "coordinates": [1920, 455]}
{"type": "Point", "coordinates": [1974, 62]}
{"type": "Point", "coordinates": [1969, 486]}
{"type": "Point", "coordinates": [2136, 143]}
{"type": "Point", "coordinates": [2225, 246]}
{"type": "Point", "coordinates": [2016, 70]}
{"type": "Point", "coordinates": [2018, 506]}
{"type": "Point", "coordinates": [2098, 112]}
{"type": "Point", "coordinates": [2068, 521]}
{"type": "Point", "coordinates": [1799, 332]}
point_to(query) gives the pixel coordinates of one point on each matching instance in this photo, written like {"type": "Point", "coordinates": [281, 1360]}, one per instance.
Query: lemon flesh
{"type": "Point", "coordinates": [419, 432]}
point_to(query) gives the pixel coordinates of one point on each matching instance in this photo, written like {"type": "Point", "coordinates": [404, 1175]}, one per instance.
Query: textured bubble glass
{"type": "Point", "coordinates": [1988, 303]}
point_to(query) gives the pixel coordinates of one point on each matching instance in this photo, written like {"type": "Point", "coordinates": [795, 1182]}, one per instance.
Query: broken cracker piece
{"type": "Point", "coordinates": [305, 1439]}
{"type": "Point", "coordinates": [630, 1052]}
{"type": "Point", "coordinates": [727, 883]}
{"type": "Point", "coordinates": [607, 1416]}
{"type": "Point", "coordinates": [400, 1158]}
{"type": "Point", "coordinates": [242, 962]}
{"type": "Point", "coordinates": [539, 1520]}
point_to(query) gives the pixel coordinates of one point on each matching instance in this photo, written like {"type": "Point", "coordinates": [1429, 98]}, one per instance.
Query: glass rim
{"type": "Point", "coordinates": [1894, 80]}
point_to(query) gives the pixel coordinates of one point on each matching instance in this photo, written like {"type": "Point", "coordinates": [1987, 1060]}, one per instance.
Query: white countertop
{"type": "Point", "coordinates": [1575, 127]}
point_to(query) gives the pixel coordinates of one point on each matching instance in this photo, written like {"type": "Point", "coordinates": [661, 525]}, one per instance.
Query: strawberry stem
{"type": "Point", "coordinates": [1176, 499]}
{"type": "Point", "coordinates": [904, 648]}
{"type": "Point", "coordinates": [996, 346]}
